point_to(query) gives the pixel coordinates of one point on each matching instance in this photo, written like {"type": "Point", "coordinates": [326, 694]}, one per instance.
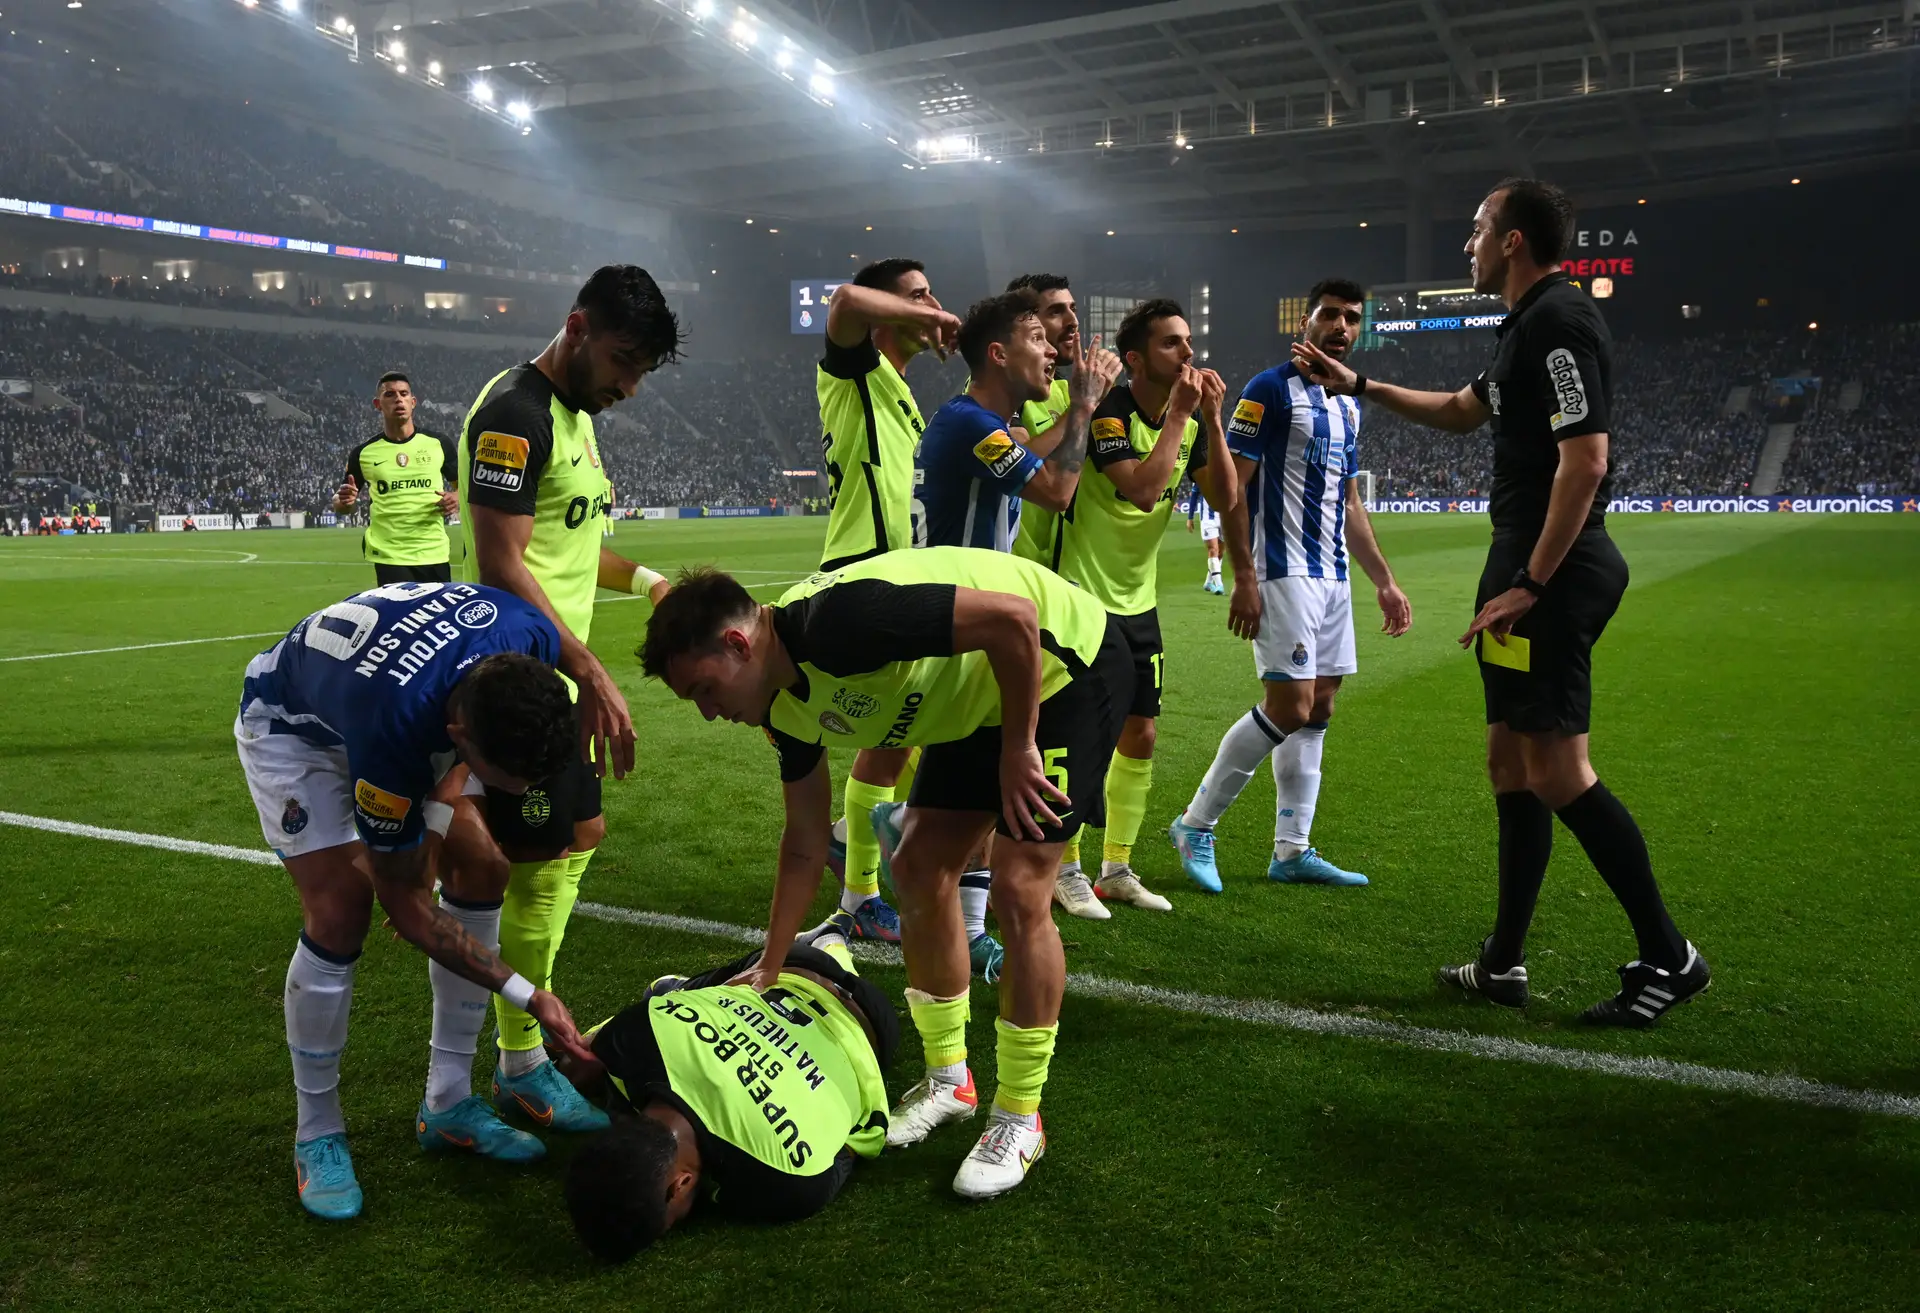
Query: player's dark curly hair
{"type": "Point", "coordinates": [616, 1188]}
{"type": "Point", "coordinates": [519, 716]}
{"type": "Point", "coordinates": [885, 275]}
{"type": "Point", "coordinates": [991, 320]}
{"type": "Point", "coordinates": [1340, 289]}
{"type": "Point", "coordinates": [1541, 211]}
{"type": "Point", "coordinates": [1040, 283]}
{"type": "Point", "coordinates": [624, 301]}
{"type": "Point", "coordinates": [690, 618]}
{"type": "Point", "coordinates": [1137, 327]}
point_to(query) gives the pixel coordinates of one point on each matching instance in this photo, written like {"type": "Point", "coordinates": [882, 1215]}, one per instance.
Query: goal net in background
{"type": "Point", "coordinates": [1365, 480]}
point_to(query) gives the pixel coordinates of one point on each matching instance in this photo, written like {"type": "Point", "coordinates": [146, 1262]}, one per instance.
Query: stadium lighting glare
{"type": "Point", "coordinates": [784, 59]}
{"type": "Point", "coordinates": [396, 50]}
{"type": "Point", "coordinates": [483, 93]}
{"type": "Point", "coordinates": [340, 23]}
{"type": "Point", "coordinates": [520, 110]}
{"type": "Point", "coordinates": [1109, 232]}
{"type": "Point", "coordinates": [73, 4]}
{"type": "Point", "coordinates": [869, 227]}
{"type": "Point", "coordinates": [703, 9]}
{"type": "Point", "coordinates": [821, 84]}
{"type": "Point", "coordinates": [1641, 201]}
{"type": "Point", "coordinates": [400, 68]}
{"type": "Point", "coordinates": [1180, 140]}
{"type": "Point", "coordinates": [290, 6]}
{"type": "Point", "coordinates": [1421, 124]}
{"type": "Point", "coordinates": [749, 220]}
{"type": "Point", "coordinates": [1796, 182]}
{"type": "Point", "coordinates": [743, 33]}
{"type": "Point", "coordinates": [433, 68]}
{"type": "Point", "coordinates": [1814, 325]}
{"type": "Point", "coordinates": [1363, 223]}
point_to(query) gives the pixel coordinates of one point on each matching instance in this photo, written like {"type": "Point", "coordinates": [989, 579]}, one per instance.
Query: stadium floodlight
{"type": "Point", "coordinates": [703, 9]}
{"type": "Point", "coordinates": [400, 68]}
{"type": "Point", "coordinates": [396, 50]}
{"type": "Point", "coordinates": [520, 110]}
{"type": "Point", "coordinates": [784, 58]}
{"type": "Point", "coordinates": [821, 84]}
{"type": "Point", "coordinates": [483, 93]}
{"type": "Point", "coordinates": [433, 68]}
{"type": "Point", "coordinates": [340, 23]}
{"type": "Point", "coordinates": [743, 33]}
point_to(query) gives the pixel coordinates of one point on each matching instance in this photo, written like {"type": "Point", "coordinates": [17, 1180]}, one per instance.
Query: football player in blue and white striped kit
{"type": "Point", "coordinates": [1295, 450]}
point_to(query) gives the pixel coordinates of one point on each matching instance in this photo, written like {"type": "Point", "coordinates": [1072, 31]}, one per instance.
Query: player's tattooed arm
{"type": "Point", "coordinates": [1054, 484]}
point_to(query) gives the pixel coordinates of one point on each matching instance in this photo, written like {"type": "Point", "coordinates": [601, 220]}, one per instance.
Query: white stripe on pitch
{"type": "Point", "coordinates": [141, 647]}
{"type": "Point", "coordinates": [1250, 1011]}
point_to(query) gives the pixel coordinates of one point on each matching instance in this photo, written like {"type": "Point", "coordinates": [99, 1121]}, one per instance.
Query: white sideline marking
{"type": "Point", "coordinates": [141, 647]}
{"type": "Point", "coordinates": [1251, 1011]}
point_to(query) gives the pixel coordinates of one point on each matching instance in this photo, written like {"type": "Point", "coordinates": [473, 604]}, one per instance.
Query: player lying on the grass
{"type": "Point", "coordinates": [754, 1104]}
{"type": "Point", "coordinates": [348, 731]}
{"type": "Point", "coordinates": [1015, 683]}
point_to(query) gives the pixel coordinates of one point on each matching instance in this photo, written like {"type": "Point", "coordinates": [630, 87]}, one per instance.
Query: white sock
{"type": "Point", "coordinates": [518, 1062]}
{"type": "Point", "coordinates": [1296, 787]}
{"type": "Point", "coordinates": [850, 901]}
{"type": "Point", "coordinates": [1030, 1120]}
{"type": "Point", "coordinates": [318, 995]}
{"type": "Point", "coordinates": [954, 1073]}
{"type": "Point", "coordinates": [460, 1010]}
{"type": "Point", "coordinates": [1213, 567]}
{"type": "Point", "coordinates": [1115, 868]}
{"type": "Point", "coordinates": [974, 888]}
{"type": "Point", "coordinates": [1244, 746]}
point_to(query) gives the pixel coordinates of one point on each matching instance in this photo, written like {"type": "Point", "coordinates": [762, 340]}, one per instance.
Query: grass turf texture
{"type": "Point", "coordinates": [1756, 707]}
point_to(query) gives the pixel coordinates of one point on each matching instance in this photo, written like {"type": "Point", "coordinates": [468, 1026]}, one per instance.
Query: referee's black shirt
{"type": "Point", "coordinates": [1551, 379]}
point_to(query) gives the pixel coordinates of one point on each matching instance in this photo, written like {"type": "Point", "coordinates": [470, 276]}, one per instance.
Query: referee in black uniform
{"type": "Point", "coordinates": [1552, 581]}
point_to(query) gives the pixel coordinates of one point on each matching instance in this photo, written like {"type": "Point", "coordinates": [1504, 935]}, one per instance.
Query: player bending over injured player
{"type": "Point", "coordinates": [755, 1103]}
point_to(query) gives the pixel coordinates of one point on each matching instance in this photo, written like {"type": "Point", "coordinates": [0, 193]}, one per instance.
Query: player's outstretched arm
{"type": "Point", "coordinates": [1007, 629]}
{"type": "Point", "coordinates": [1244, 606]}
{"type": "Point", "coordinates": [1142, 481]}
{"type": "Point", "coordinates": [1396, 611]}
{"type": "Point", "coordinates": [803, 855]}
{"type": "Point", "coordinates": [402, 883]}
{"type": "Point", "coordinates": [854, 311]}
{"type": "Point", "coordinates": [1456, 412]}
{"type": "Point", "coordinates": [619, 575]}
{"type": "Point", "coordinates": [500, 541]}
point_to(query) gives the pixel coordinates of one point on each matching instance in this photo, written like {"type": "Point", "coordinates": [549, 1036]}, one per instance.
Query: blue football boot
{"type": "Point", "coordinates": [1194, 843]}
{"type": "Point", "coordinates": [323, 1169]}
{"type": "Point", "coordinates": [547, 1098]}
{"type": "Point", "coordinates": [472, 1126]}
{"type": "Point", "coordinates": [1310, 867]}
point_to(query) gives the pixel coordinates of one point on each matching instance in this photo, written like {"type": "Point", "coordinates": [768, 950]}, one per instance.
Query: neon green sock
{"type": "Point", "coordinates": [1070, 855]}
{"type": "Point", "coordinates": [533, 921]}
{"type": "Point", "coordinates": [841, 954]}
{"type": "Point", "coordinates": [1129, 781]}
{"type": "Point", "coordinates": [942, 1023]}
{"type": "Point", "coordinates": [1024, 1054]}
{"type": "Point", "coordinates": [863, 850]}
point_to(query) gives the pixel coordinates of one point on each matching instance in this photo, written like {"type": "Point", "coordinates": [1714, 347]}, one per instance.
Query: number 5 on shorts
{"type": "Point", "coordinates": [1056, 769]}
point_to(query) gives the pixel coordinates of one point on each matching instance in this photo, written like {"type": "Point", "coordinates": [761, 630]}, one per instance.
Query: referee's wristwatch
{"type": "Point", "coordinates": [1521, 579]}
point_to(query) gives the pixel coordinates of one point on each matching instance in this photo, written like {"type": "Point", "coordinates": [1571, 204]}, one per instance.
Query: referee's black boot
{"type": "Point", "coordinates": [1647, 992]}
{"type": "Point", "coordinates": [1507, 988]}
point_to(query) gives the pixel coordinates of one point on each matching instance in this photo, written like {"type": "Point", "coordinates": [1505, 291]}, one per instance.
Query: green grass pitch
{"type": "Point", "coordinates": [1758, 707]}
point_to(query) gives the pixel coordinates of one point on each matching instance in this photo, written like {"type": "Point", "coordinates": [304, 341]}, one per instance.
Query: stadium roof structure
{"type": "Point", "coordinates": [1194, 115]}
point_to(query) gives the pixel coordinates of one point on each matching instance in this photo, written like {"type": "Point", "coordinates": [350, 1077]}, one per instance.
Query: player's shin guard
{"type": "Point", "coordinates": [1247, 743]}
{"type": "Point", "coordinates": [1024, 1055]}
{"type": "Point", "coordinates": [942, 1023]}
{"type": "Point", "coordinates": [1296, 787]}
{"type": "Point", "coordinates": [319, 993]}
{"type": "Point", "coordinates": [533, 921]}
{"type": "Point", "coordinates": [863, 850]}
{"type": "Point", "coordinates": [1129, 781]}
{"type": "Point", "coordinates": [459, 1009]}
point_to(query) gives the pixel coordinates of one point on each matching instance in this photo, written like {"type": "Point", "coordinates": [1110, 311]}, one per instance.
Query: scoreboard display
{"type": "Point", "coordinates": [807, 303]}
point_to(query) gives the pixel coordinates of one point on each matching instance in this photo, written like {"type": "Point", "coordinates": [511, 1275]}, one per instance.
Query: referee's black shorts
{"type": "Point", "coordinates": [1544, 683]}
{"type": "Point", "coordinates": [385, 574]}
{"type": "Point", "coordinates": [1075, 732]}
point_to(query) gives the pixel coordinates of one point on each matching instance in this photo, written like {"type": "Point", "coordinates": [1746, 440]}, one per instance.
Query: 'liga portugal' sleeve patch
{"type": "Point", "coordinates": [500, 461]}
{"type": "Point", "coordinates": [382, 811]}
{"type": "Point", "coordinates": [1247, 417]}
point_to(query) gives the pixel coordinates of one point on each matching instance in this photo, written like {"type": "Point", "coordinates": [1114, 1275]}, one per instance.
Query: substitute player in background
{"type": "Point", "coordinates": [1553, 579]}
{"type": "Point", "coordinates": [690, 1124]}
{"type": "Point", "coordinates": [348, 731]}
{"type": "Point", "coordinates": [401, 471]}
{"type": "Point", "coordinates": [1296, 451]}
{"type": "Point", "coordinates": [1147, 437]}
{"type": "Point", "coordinates": [1200, 511]}
{"type": "Point", "coordinates": [1015, 684]}
{"type": "Point", "coordinates": [532, 498]}
{"type": "Point", "coordinates": [869, 427]}
{"type": "Point", "coordinates": [975, 476]}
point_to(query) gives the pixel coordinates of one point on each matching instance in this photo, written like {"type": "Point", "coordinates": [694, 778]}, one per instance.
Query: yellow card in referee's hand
{"type": "Point", "coordinates": [1514, 654]}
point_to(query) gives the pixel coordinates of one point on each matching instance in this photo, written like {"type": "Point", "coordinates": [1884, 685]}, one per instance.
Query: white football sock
{"type": "Point", "coordinates": [1244, 746]}
{"type": "Point", "coordinates": [1213, 567]}
{"type": "Point", "coordinates": [954, 1073]}
{"type": "Point", "coordinates": [1296, 787]}
{"type": "Point", "coordinates": [318, 995]}
{"type": "Point", "coordinates": [518, 1062]}
{"type": "Point", "coordinates": [459, 1012]}
{"type": "Point", "coordinates": [974, 888]}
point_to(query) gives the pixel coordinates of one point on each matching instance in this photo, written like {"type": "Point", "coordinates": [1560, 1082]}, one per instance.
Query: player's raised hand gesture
{"type": "Point", "coordinates": [1329, 373]}
{"type": "Point", "coordinates": [1186, 394]}
{"type": "Point", "coordinates": [1213, 392]}
{"type": "Point", "coordinates": [1093, 375]}
{"type": "Point", "coordinates": [346, 494]}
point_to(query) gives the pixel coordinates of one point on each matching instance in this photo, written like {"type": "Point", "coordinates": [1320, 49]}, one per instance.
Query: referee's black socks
{"type": "Point", "coordinates": [1526, 841]}
{"type": "Point", "coordinates": [1606, 829]}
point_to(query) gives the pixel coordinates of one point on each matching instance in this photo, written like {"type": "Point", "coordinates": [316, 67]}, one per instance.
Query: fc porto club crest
{"type": "Point", "coordinates": [294, 818]}
{"type": "Point", "coordinates": [536, 807]}
{"type": "Point", "coordinates": [1300, 655]}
